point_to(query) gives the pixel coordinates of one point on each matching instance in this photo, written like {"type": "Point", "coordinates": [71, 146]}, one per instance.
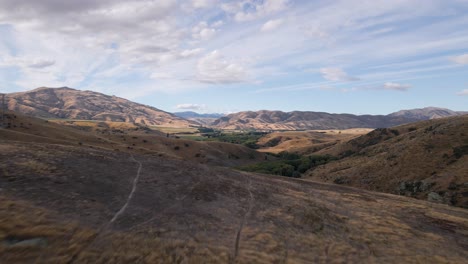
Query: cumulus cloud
{"type": "Point", "coordinates": [396, 86]}
{"type": "Point", "coordinates": [214, 68]}
{"type": "Point", "coordinates": [202, 31]}
{"type": "Point", "coordinates": [108, 42]}
{"type": "Point", "coordinates": [462, 59]}
{"type": "Point", "coordinates": [336, 74]}
{"type": "Point", "coordinates": [463, 92]}
{"type": "Point", "coordinates": [135, 26]}
{"type": "Point", "coordinates": [198, 107]}
{"type": "Point", "coordinates": [271, 25]}
{"type": "Point", "coordinates": [86, 15]}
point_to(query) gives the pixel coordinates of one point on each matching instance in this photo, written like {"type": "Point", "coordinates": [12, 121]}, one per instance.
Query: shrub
{"type": "Point", "coordinates": [291, 165]}
{"type": "Point", "coordinates": [205, 130]}
{"type": "Point", "coordinates": [460, 151]}
{"type": "Point", "coordinates": [251, 144]}
{"type": "Point", "coordinates": [347, 153]}
{"type": "Point", "coordinates": [395, 132]}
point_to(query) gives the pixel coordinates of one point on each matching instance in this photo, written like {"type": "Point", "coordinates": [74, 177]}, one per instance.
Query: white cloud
{"type": "Point", "coordinates": [217, 24]}
{"type": "Point", "coordinates": [191, 106]}
{"type": "Point", "coordinates": [251, 10]}
{"type": "Point", "coordinates": [336, 74]}
{"type": "Point", "coordinates": [396, 86]}
{"type": "Point", "coordinates": [463, 92]}
{"type": "Point", "coordinates": [391, 86]}
{"type": "Point", "coordinates": [203, 3]}
{"type": "Point", "coordinates": [190, 53]}
{"type": "Point", "coordinates": [41, 63]}
{"type": "Point", "coordinates": [155, 45]}
{"type": "Point", "coordinates": [161, 75]}
{"type": "Point", "coordinates": [462, 59]}
{"type": "Point", "coordinates": [214, 68]}
{"type": "Point", "coordinates": [202, 31]}
{"type": "Point", "coordinates": [271, 25]}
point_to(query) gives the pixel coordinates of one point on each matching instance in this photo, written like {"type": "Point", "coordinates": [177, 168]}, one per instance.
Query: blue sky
{"type": "Point", "coordinates": [362, 57]}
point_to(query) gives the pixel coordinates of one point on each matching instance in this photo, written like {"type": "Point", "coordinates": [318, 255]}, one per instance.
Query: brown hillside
{"type": "Point", "coordinates": [306, 142]}
{"type": "Point", "coordinates": [63, 204]}
{"type": "Point", "coordinates": [75, 104]}
{"type": "Point", "coordinates": [125, 137]}
{"type": "Point", "coordinates": [297, 120]}
{"type": "Point", "coordinates": [426, 160]}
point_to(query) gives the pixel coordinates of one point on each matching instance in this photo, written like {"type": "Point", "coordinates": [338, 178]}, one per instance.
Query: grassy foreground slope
{"type": "Point", "coordinates": [58, 201]}
{"type": "Point", "coordinates": [426, 160]}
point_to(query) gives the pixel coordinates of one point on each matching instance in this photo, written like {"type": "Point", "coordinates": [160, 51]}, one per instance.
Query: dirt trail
{"type": "Point", "coordinates": [120, 212]}
{"type": "Point", "coordinates": [129, 198]}
{"type": "Point", "coordinates": [239, 231]}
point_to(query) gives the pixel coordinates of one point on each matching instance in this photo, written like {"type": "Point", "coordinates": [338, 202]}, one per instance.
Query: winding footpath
{"type": "Point", "coordinates": [239, 231]}
{"type": "Point", "coordinates": [119, 213]}
{"type": "Point", "coordinates": [129, 198]}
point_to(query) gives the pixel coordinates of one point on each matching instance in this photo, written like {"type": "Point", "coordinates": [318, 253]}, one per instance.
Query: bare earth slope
{"type": "Point", "coordinates": [297, 120]}
{"type": "Point", "coordinates": [75, 104]}
{"type": "Point", "coordinates": [426, 160]}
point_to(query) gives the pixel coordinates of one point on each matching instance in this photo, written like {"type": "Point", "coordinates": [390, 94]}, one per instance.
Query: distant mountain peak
{"type": "Point", "coordinates": [192, 114]}
{"type": "Point", "coordinates": [69, 103]}
{"type": "Point", "coordinates": [425, 113]}
{"type": "Point", "coordinates": [51, 88]}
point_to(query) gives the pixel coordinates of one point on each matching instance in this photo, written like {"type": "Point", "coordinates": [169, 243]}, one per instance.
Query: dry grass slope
{"type": "Point", "coordinates": [56, 196]}
{"type": "Point", "coordinates": [187, 212]}
{"type": "Point", "coordinates": [74, 104]}
{"type": "Point", "coordinates": [306, 142]}
{"type": "Point", "coordinates": [125, 137]}
{"type": "Point", "coordinates": [426, 160]}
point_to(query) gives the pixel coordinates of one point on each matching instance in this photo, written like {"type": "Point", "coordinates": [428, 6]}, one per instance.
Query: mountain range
{"type": "Point", "coordinates": [191, 114]}
{"type": "Point", "coordinates": [68, 103]}
{"type": "Point", "coordinates": [300, 120]}
{"type": "Point", "coordinates": [202, 119]}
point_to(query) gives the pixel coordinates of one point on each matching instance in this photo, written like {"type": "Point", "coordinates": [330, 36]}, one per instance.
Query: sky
{"type": "Point", "coordinates": [350, 56]}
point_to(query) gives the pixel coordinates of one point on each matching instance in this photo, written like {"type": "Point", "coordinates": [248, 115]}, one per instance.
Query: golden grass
{"type": "Point", "coordinates": [66, 240]}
